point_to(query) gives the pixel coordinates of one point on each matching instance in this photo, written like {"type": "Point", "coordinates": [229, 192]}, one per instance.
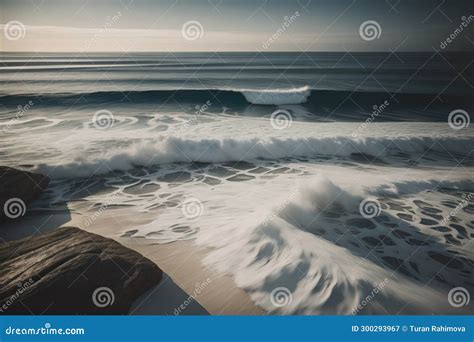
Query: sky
{"type": "Point", "coordinates": [233, 25]}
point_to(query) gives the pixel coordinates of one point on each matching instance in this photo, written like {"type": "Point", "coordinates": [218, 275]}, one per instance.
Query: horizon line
{"type": "Point", "coordinates": [241, 51]}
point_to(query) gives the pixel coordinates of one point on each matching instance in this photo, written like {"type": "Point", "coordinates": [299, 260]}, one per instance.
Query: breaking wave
{"type": "Point", "coordinates": [229, 97]}
{"type": "Point", "coordinates": [278, 96]}
{"type": "Point", "coordinates": [170, 150]}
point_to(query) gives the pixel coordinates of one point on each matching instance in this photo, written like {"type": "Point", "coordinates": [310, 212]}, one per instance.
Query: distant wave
{"type": "Point", "coordinates": [277, 96]}
{"type": "Point", "coordinates": [229, 97]}
{"type": "Point", "coordinates": [177, 150]}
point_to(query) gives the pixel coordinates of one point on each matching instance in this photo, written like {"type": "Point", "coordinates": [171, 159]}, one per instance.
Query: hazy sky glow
{"type": "Point", "coordinates": [233, 25]}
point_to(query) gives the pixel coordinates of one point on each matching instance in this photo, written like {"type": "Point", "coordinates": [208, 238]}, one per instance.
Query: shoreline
{"type": "Point", "coordinates": [181, 262]}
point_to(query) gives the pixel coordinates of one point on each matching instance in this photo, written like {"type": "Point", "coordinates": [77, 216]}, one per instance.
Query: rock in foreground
{"type": "Point", "coordinates": [17, 189]}
{"type": "Point", "coordinates": [71, 271]}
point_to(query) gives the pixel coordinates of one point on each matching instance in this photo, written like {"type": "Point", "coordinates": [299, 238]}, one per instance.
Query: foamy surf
{"type": "Point", "coordinates": [312, 242]}
{"type": "Point", "coordinates": [178, 150]}
{"type": "Point", "coordinates": [275, 208]}
{"type": "Point", "coordinates": [277, 96]}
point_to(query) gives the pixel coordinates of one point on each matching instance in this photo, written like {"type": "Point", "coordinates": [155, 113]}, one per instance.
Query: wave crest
{"type": "Point", "coordinates": [177, 150]}
{"type": "Point", "coordinates": [277, 96]}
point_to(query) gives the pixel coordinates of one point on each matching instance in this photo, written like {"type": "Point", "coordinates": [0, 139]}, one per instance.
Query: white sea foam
{"type": "Point", "coordinates": [173, 150]}
{"type": "Point", "coordinates": [322, 276]}
{"type": "Point", "coordinates": [270, 237]}
{"type": "Point", "coordinates": [277, 96]}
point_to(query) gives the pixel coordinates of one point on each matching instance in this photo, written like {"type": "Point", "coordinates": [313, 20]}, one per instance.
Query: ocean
{"type": "Point", "coordinates": [315, 177]}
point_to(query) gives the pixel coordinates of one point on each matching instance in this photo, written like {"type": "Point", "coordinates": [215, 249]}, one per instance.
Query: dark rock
{"type": "Point", "coordinates": [64, 268]}
{"type": "Point", "coordinates": [22, 185]}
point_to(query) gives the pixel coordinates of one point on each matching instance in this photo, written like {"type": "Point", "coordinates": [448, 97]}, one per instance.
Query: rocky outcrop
{"type": "Point", "coordinates": [17, 189]}
{"type": "Point", "coordinates": [71, 271]}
